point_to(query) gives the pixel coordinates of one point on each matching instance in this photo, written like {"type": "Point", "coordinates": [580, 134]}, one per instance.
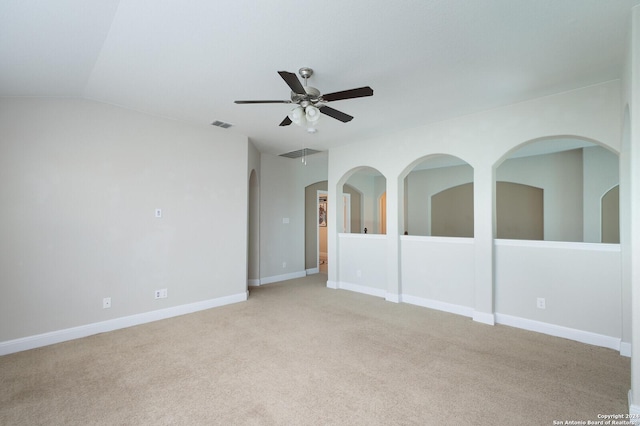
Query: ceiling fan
{"type": "Point", "coordinates": [310, 102]}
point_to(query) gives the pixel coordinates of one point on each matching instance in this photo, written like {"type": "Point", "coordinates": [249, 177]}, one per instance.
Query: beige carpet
{"type": "Point", "coordinates": [297, 353]}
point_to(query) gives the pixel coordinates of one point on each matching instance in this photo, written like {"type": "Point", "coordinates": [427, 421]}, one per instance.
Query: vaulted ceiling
{"type": "Point", "coordinates": [427, 60]}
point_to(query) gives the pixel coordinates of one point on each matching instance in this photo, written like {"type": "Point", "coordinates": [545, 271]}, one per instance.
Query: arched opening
{"type": "Point", "coordinates": [428, 177]}
{"type": "Point", "coordinates": [353, 210]}
{"type": "Point", "coordinates": [572, 173]}
{"type": "Point", "coordinates": [568, 281]}
{"type": "Point", "coordinates": [366, 185]}
{"type": "Point", "coordinates": [437, 262]}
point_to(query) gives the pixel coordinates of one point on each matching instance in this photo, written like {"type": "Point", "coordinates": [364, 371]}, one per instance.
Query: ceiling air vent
{"type": "Point", "coordinates": [221, 124]}
{"type": "Point", "coordinates": [300, 153]}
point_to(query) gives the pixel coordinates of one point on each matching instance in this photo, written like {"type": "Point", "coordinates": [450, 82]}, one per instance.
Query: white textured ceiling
{"type": "Point", "coordinates": [427, 60]}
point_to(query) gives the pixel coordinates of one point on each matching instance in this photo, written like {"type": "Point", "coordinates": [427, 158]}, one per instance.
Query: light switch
{"type": "Point", "coordinates": [285, 220]}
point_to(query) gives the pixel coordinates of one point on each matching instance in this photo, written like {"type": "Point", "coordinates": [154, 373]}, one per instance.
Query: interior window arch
{"type": "Point", "coordinates": [366, 186]}
{"type": "Point", "coordinates": [573, 174]}
{"type": "Point", "coordinates": [432, 207]}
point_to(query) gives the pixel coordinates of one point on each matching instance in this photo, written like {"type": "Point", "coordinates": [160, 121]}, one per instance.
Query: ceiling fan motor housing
{"type": "Point", "coordinates": [311, 98]}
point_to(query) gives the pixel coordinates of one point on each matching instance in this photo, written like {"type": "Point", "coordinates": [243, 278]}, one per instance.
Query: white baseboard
{"type": "Point", "coordinates": [362, 289]}
{"type": "Point", "coordinates": [283, 277]}
{"type": "Point", "coordinates": [393, 297]}
{"type": "Point", "coordinates": [484, 318]}
{"type": "Point", "coordinates": [332, 285]}
{"type": "Point", "coordinates": [625, 349]}
{"type": "Point", "coordinates": [560, 331]}
{"type": "Point", "coordinates": [253, 282]}
{"type": "Point", "coordinates": [438, 305]}
{"type": "Point", "coordinates": [634, 410]}
{"type": "Point", "coordinates": [312, 271]}
{"type": "Point", "coordinates": [58, 336]}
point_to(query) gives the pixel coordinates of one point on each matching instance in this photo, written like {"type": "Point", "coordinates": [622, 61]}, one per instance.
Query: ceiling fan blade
{"type": "Point", "coordinates": [292, 80]}
{"type": "Point", "coordinates": [348, 94]}
{"type": "Point", "coordinates": [338, 115]}
{"type": "Point", "coordinates": [286, 121]}
{"type": "Point", "coordinates": [262, 102]}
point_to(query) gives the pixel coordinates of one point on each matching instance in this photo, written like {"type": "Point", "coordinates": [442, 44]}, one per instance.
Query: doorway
{"type": "Point", "coordinates": [322, 220]}
{"type": "Point", "coordinates": [322, 260]}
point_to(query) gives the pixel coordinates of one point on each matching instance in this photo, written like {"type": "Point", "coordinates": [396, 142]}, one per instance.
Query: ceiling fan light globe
{"type": "Point", "coordinates": [312, 114]}
{"type": "Point", "coordinates": [297, 116]}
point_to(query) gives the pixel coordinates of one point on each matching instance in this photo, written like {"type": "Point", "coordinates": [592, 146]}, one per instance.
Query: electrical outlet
{"type": "Point", "coordinates": [541, 303]}
{"type": "Point", "coordinates": [106, 303]}
{"type": "Point", "coordinates": [359, 273]}
{"type": "Point", "coordinates": [158, 213]}
{"type": "Point", "coordinates": [284, 265]}
{"type": "Point", "coordinates": [160, 294]}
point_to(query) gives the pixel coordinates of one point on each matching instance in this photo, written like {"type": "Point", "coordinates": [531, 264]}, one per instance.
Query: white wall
{"type": "Point", "coordinates": [79, 184]}
{"type": "Point", "coordinates": [631, 204]}
{"type": "Point", "coordinates": [362, 263]}
{"type": "Point", "coordinates": [580, 282]}
{"type": "Point", "coordinates": [438, 272]}
{"type": "Point", "coordinates": [483, 140]}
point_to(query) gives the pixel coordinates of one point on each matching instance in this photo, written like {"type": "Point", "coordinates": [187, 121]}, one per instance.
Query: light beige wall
{"type": "Point", "coordinates": [253, 225]}
{"type": "Point", "coordinates": [421, 185]}
{"type": "Point", "coordinates": [79, 184]}
{"type": "Point", "coordinates": [560, 175]}
{"type": "Point", "coordinates": [519, 211]}
{"type": "Point", "coordinates": [282, 195]}
{"type": "Point", "coordinates": [452, 212]}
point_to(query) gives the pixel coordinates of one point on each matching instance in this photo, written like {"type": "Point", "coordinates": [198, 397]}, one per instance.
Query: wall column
{"type": "Point", "coordinates": [634, 204]}
{"type": "Point", "coordinates": [393, 239]}
{"type": "Point", "coordinates": [483, 224]}
{"type": "Point", "coordinates": [335, 215]}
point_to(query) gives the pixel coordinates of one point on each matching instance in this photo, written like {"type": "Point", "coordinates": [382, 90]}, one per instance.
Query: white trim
{"type": "Point", "coordinates": [362, 289]}
{"type": "Point", "coordinates": [625, 349]}
{"type": "Point", "coordinates": [283, 277]}
{"type": "Point", "coordinates": [438, 305]}
{"type": "Point", "coordinates": [559, 245]}
{"type": "Point", "coordinates": [452, 240]}
{"type": "Point", "coordinates": [560, 331]}
{"type": "Point", "coordinates": [312, 271]}
{"type": "Point", "coordinates": [393, 297]}
{"type": "Point", "coordinates": [253, 282]}
{"type": "Point", "coordinates": [362, 236]}
{"type": "Point", "coordinates": [484, 318]}
{"type": "Point", "coordinates": [634, 410]}
{"type": "Point", "coordinates": [332, 285]}
{"type": "Point", "coordinates": [58, 336]}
